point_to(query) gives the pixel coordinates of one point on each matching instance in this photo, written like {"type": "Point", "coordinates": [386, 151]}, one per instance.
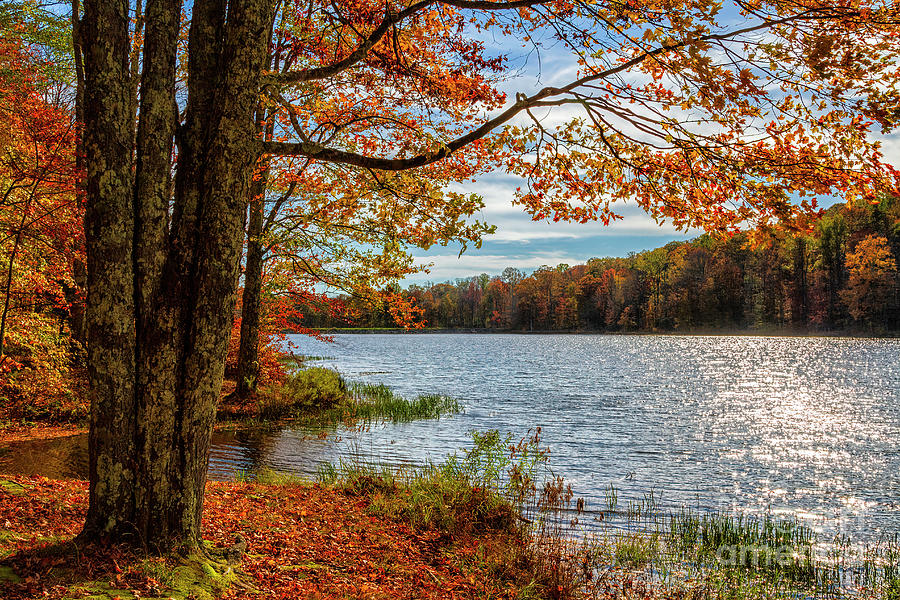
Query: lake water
{"type": "Point", "coordinates": [797, 427]}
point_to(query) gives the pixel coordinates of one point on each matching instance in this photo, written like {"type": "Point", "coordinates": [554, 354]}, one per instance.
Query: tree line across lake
{"type": "Point", "coordinates": [840, 276]}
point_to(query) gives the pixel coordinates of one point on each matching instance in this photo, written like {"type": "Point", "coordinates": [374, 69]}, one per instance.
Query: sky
{"type": "Point", "coordinates": [525, 244]}
{"type": "Point", "coordinates": [520, 242]}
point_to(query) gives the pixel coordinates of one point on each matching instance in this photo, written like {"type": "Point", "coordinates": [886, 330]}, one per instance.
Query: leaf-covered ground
{"type": "Point", "coordinates": [303, 541]}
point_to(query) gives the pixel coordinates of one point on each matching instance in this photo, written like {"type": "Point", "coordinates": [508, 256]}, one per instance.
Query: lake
{"type": "Point", "coordinates": [797, 427]}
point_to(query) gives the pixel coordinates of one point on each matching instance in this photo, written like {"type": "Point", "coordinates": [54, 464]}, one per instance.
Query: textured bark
{"type": "Point", "coordinates": [248, 349]}
{"type": "Point", "coordinates": [251, 298]}
{"type": "Point", "coordinates": [109, 232]}
{"type": "Point", "coordinates": [161, 295]}
{"type": "Point", "coordinates": [229, 165]}
{"type": "Point", "coordinates": [155, 137]}
{"type": "Point", "coordinates": [156, 317]}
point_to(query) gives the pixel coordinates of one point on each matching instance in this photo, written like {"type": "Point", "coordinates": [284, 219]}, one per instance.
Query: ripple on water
{"type": "Point", "coordinates": [805, 427]}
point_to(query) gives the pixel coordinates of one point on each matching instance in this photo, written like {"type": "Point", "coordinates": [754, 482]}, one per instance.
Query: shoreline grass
{"type": "Point", "coordinates": [688, 554]}
{"type": "Point", "coordinates": [648, 552]}
{"type": "Point", "coordinates": [500, 515]}
{"type": "Point", "coordinates": [317, 396]}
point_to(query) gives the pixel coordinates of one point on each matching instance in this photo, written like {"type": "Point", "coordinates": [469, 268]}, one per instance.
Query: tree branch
{"type": "Point", "coordinates": [320, 152]}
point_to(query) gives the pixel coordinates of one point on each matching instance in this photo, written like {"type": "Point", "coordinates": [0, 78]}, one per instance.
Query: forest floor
{"type": "Point", "coordinates": [22, 433]}
{"type": "Point", "coordinates": [303, 540]}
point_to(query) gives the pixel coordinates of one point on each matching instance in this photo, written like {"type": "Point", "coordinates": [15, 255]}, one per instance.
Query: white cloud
{"type": "Point", "coordinates": [514, 225]}
{"type": "Point", "coordinates": [451, 266]}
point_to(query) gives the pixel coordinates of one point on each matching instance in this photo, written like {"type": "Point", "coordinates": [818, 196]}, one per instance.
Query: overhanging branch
{"type": "Point", "coordinates": [319, 152]}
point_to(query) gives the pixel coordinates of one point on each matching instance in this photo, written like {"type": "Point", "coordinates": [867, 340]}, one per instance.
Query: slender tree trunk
{"type": "Point", "coordinates": [161, 293]}
{"type": "Point", "coordinates": [77, 319]}
{"type": "Point", "coordinates": [9, 278]}
{"type": "Point", "coordinates": [251, 300]}
{"type": "Point", "coordinates": [800, 299]}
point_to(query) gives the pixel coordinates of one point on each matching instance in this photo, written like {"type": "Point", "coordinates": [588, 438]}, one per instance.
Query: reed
{"type": "Point", "coordinates": [497, 485]}
{"type": "Point", "coordinates": [693, 554]}
{"type": "Point", "coordinates": [372, 401]}
{"type": "Point", "coordinates": [320, 397]}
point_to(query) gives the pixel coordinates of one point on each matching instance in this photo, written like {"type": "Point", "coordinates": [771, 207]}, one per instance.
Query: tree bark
{"type": "Point", "coordinates": [161, 293]}
{"type": "Point", "coordinates": [109, 233]}
{"type": "Point", "coordinates": [251, 300]}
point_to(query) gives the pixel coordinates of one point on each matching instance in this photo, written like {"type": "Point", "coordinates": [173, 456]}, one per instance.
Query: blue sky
{"type": "Point", "coordinates": [522, 243]}
{"type": "Point", "coordinates": [526, 244]}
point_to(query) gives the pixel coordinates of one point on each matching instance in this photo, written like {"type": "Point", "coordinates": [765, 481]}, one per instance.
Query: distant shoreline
{"type": "Point", "coordinates": [694, 333]}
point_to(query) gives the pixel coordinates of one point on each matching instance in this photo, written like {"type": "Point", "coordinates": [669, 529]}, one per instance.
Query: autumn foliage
{"type": "Point", "coordinates": [41, 238]}
{"type": "Point", "coordinates": [872, 283]}
{"type": "Point", "coordinates": [349, 128]}
{"type": "Point", "coordinates": [840, 277]}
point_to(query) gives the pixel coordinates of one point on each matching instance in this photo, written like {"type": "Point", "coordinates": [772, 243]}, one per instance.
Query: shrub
{"type": "Point", "coordinates": [274, 404]}
{"type": "Point", "coordinates": [40, 378]}
{"type": "Point", "coordinates": [316, 388]}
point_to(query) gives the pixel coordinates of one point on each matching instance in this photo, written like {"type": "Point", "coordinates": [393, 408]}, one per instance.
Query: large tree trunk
{"type": "Point", "coordinates": [161, 289]}
{"type": "Point", "coordinates": [109, 233]}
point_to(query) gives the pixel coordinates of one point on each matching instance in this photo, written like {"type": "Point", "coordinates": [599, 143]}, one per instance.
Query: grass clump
{"type": "Point", "coordinates": [293, 361]}
{"type": "Point", "coordinates": [496, 489]}
{"type": "Point", "coordinates": [320, 396]}
{"type": "Point", "coordinates": [267, 476]}
{"type": "Point", "coordinates": [783, 548]}
{"type": "Point", "coordinates": [370, 401]}
{"type": "Point", "coordinates": [316, 388]}
{"type": "Point", "coordinates": [478, 489]}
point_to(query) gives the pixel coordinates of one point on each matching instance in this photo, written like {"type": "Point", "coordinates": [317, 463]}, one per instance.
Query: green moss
{"type": "Point", "coordinates": [12, 487]}
{"type": "Point", "coordinates": [201, 578]}
{"type": "Point", "coordinates": [96, 590]}
{"type": "Point", "coordinates": [6, 536]}
{"type": "Point", "coordinates": [7, 574]}
{"type": "Point", "coordinates": [7, 544]}
{"type": "Point", "coordinates": [194, 578]}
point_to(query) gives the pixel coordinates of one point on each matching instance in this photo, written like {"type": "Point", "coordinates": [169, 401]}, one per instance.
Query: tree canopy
{"type": "Point", "coordinates": [712, 114]}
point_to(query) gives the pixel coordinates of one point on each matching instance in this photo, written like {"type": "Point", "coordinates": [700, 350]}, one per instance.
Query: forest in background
{"type": "Point", "coordinates": [841, 276]}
